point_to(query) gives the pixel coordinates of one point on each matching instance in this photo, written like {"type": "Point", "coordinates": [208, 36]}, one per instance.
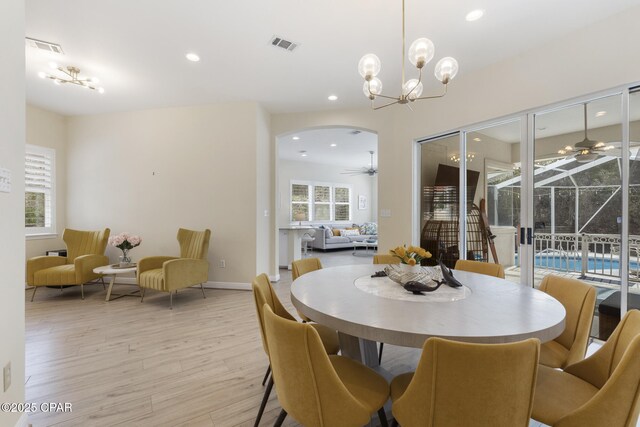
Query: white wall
{"type": "Point", "coordinates": [12, 260]}
{"type": "Point", "coordinates": [577, 64]}
{"type": "Point", "coordinates": [48, 129]}
{"type": "Point", "coordinates": [289, 170]}
{"type": "Point", "coordinates": [151, 172]}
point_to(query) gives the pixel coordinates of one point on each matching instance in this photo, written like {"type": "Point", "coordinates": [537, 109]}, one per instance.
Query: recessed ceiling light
{"type": "Point", "coordinates": [601, 113]}
{"type": "Point", "coordinates": [477, 139]}
{"type": "Point", "coordinates": [332, 98]}
{"type": "Point", "coordinates": [303, 153]}
{"type": "Point", "coordinates": [333, 145]}
{"type": "Point", "coordinates": [192, 57]}
{"type": "Point", "coordinates": [100, 90]}
{"type": "Point", "coordinates": [474, 15]}
{"type": "Point", "coordinates": [295, 138]}
{"type": "Point", "coordinates": [42, 74]}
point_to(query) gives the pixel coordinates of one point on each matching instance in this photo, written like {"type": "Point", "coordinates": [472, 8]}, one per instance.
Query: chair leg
{"type": "Point", "coordinates": [383, 417]}
{"type": "Point", "coordinates": [170, 300]}
{"type": "Point", "coordinates": [102, 280]}
{"type": "Point", "coordinates": [394, 423]}
{"type": "Point", "coordinates": [281, 417]}
{"type": "Point", "coordinates": [266, 375]}
{"type": "Point", "coordinates": [265, 399]}
{"type": "Point", "coordinates": [380, 353]}
{"type": "Point", "coordinates": [82, 290]}
{"type": "Point", "coordinates": [35, 288]}
{"type": "Point", "coordinates": [142, 294]}
{"type": "Point", "coordinates": [202, 287]}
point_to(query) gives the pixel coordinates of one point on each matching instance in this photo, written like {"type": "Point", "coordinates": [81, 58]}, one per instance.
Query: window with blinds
{"type": "Point", "coordinates": [39, 183]}
{"type": "Point", "coordinates": [320, 201]}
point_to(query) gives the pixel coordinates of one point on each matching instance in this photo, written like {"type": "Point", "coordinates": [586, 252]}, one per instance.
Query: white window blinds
{"type": "Point", "coordinates": [39, 190]}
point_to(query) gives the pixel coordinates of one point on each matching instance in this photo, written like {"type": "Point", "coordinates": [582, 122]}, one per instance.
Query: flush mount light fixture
{"type": "Point", "coordinates": [601, 113]}
{"type": "Point", "coordinates": [477, 139]}
{"type": "Point", "coordinates": [474, 15]}
{"type": "Point", "coordinates": [71, 75]}
{"type": "Point", "coordinates": [334, 145]}
{"type": "Point", "coordinates": [192, 57]}
{"type": "Point", "coordinates": [332, 98]}
{"type": "Point", "coordinates": [420, 53]}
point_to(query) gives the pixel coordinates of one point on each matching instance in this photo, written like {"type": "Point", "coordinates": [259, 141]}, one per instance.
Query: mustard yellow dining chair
{"type": "Point", "coordinates": [601, 390]}
{"type": "Point", "coordinates": [168, 273]}
{"type": "Point", "coordinates": [263, 293]}
{"type": "Point", "coordinates": [304, 266]}
{"type": "Point", "coordinates": [318, 390]}
{"type": "Point", "coordinates": [385, 259]}
{"type": "Point", "coordinates": [579, 300]}
{"type": "Point", "coordinates": [85, 251]}
{"type": "Point", "coordinates": [464, 384]}
{"type": "Point", "coordinates": [486, 268]}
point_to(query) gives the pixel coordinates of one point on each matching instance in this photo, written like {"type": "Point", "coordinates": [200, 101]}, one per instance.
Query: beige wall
{"type": "Point", "coordinates": [12, 137]}
{"type": "Point", "coordinates": [151, 172]}
{"type": "Point", "coordinates": [289, 170]}
{"type": "Point", "coordinates": [48, 129]}
{"type": "Point", "coordinates": [560, 70]}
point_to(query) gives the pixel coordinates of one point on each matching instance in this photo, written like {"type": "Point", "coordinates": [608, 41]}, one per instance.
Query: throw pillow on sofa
{"type": "Point", "coordinates": [369, 228]}
{"type": "Point", "coordinates": [348, 232]}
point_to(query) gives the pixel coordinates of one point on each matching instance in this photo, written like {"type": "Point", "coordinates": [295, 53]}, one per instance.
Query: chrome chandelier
{"type": "Point", "coordinates": [71, 75]}
{"type": "Point", "coordinates": [420, 53]}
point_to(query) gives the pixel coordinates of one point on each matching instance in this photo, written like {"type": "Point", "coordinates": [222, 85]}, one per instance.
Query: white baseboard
{"type": "Point", "coordinates": [275, 278]}
{"type": "Point", "coordinates": [236, 286]}
{"type": "Point", "coordinates": [23, 421]}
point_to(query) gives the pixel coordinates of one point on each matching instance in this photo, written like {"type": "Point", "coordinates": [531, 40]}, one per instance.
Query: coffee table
{"type": "Point", "coordinates": [366, 245]}
{"type": "Point", "coordinates": [113, 270]}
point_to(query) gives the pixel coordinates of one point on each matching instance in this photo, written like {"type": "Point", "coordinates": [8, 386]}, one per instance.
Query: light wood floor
{"type": "Point", "coordinates": [133, 364]}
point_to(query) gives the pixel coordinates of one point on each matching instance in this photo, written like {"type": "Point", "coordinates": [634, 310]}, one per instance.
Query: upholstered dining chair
{"type": "Point", "coordinates": [316, 389]}
{"type": "Point", "coordinates": [464, 384]}
{"type": "Point", "coordinates": [385, 259]}
{"type": "Point", "coordinates": [304, 266]}
{"type": "Point", "coordinates": [601, 390]}
{"type": "Point", "coordinates": [263, 293]}
{"type": "Point", "coordinates": [168, 273]}
{"type": "Point", "coordinates": [85, 251]}
{"type": "Point", "coordinates": [579, 301]}
{"type": "Point", "coordinates": [486, 268]}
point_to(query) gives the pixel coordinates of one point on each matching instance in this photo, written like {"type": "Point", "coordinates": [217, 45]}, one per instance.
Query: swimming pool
{"type": "Point", "coordinates": [573, 263]}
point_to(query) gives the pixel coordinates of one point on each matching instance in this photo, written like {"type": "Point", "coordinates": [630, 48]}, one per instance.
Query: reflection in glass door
{"type": "Point", "coordinates": [577, 195]}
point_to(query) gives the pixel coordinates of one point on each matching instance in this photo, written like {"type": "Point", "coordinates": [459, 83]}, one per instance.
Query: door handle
{"type": "Point", "coordinates": [522, 233]}
{"type": "Point", "coordinates": [529, 236]}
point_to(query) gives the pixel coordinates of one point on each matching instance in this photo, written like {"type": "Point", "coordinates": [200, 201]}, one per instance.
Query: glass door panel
{"type": "Point", "coordinates": [633, 297]}
{"type": "Point", "coordinates": [577, 194]}
{"type": "Point", "coordinates": [439, 198]}
{"type": "Point", "coordinates": [493, 195]}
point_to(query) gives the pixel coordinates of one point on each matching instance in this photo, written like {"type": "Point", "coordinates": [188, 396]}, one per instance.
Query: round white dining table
{"type": "Point", "coordinates": [487, 310]}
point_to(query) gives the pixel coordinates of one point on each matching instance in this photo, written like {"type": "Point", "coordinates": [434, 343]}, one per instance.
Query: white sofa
{"type": "Point", "coordinates": [325, 242]}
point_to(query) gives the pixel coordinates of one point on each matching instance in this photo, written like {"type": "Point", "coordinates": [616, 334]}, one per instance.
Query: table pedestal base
{"type": "Point", "coordinates": [116, 296]}
{"type": "Point", "coordinates": [364, 351]}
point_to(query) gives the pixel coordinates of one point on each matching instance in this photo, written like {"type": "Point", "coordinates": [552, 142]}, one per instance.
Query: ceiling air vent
{"type": "Point", "coordinates": [284, 44]}
{"type": "Point", "coordinates": [42, 45]}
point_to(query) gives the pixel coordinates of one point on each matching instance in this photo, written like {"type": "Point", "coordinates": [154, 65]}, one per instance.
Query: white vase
{"type": "Point", "coordinates": [410, 268]}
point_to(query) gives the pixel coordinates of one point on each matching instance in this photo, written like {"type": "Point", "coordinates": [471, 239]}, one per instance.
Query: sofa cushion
{"type": "Point", "coordinates": [333, 240]}
{"type": "Point", "coordinates": [349, 232]}
{"type": "Point", "coordinates": [336, 232]}
{"type": "Point", "coordinates": [370, 228]}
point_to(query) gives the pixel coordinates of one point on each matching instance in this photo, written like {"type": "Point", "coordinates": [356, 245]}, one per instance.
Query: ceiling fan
{"type": "Point", "coordinates": [586, 150]}
{"type": "Point", "coordinates": [371, 171]}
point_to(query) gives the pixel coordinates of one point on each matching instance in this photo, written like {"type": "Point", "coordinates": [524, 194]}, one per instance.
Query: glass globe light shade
{"type": "Point", "coordinates": [369, 65]}
{"type": "Point", "coordinates": [374, 85]}
{"type": "Point", "coordinates": [446, 69]}
{"type": "Point", "coordinates": [421, 52]}
{"type": "Point", "coordinates": [409, 85]}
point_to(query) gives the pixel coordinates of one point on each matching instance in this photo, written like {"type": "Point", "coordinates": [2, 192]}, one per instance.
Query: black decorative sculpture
{"type": "Point", "coordinates": [447, 276]}
{"type": "Point", "coordinates": [418, 288]}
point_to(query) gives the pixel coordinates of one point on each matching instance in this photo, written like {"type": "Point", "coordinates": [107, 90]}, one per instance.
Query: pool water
{"type": "Point", "coordinates": [575, 264]}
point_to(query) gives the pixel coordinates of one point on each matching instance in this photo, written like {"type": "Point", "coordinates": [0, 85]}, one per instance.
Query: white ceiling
{"type": "Point", "coordinates": [351, 150]}
{"type": "Point", "coordinates": [137, 47]}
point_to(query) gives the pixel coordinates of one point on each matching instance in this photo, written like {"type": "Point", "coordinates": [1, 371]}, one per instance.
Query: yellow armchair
{"type": "Point", "coordinates": [168, 274]}
{"type": "Point", "coordinates": [85, 251]}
